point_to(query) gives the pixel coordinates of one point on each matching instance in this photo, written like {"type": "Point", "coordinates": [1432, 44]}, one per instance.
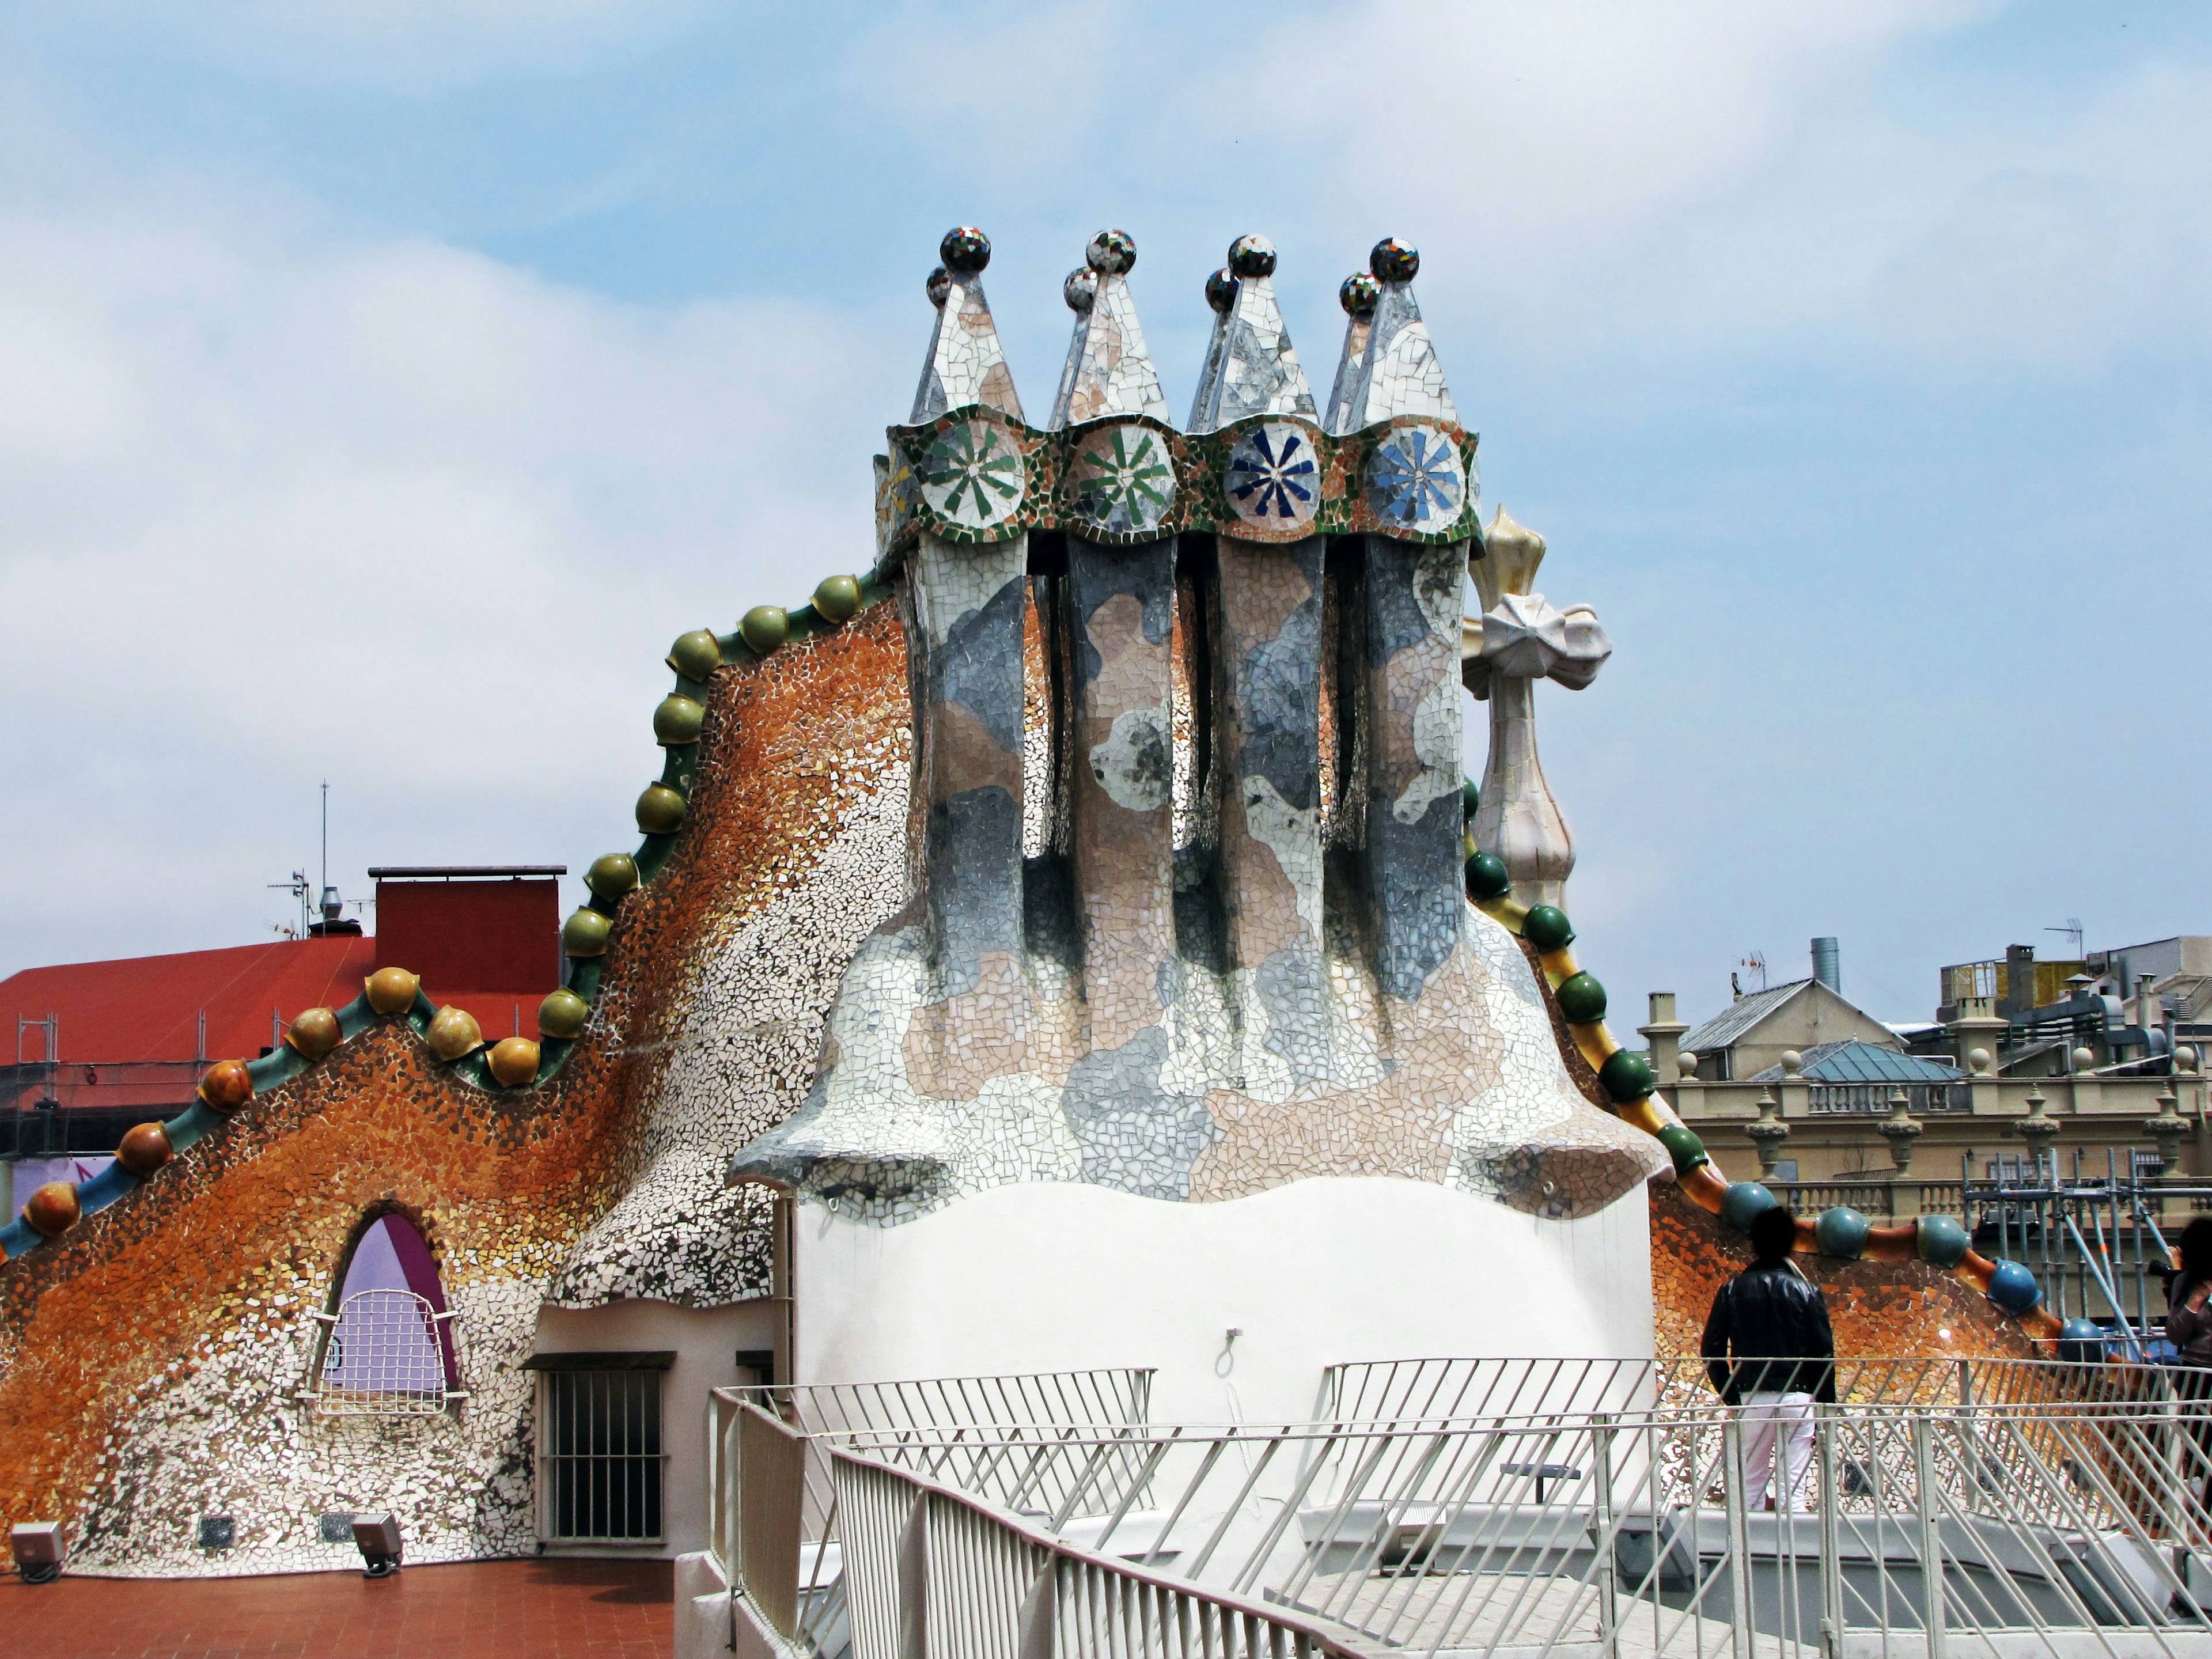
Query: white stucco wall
{"type": "Point", "coordinates": [1055, 1277]}
{"type": "Point", "coordinates": [705, 1344]}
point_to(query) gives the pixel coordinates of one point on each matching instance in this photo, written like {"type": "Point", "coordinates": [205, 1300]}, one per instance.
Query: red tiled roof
{"type": "Point", "coordinates": [142, 1008]}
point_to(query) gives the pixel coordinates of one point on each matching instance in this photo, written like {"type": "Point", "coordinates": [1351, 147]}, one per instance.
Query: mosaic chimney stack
{"type": "Point", "coordinates": [1300, 987]}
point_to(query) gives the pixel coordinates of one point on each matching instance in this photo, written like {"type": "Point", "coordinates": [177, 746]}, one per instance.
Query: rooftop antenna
{"type": "Point", "coordinates": [1757, 962]}
{"type": "Point", "coordinates": [2073, 931]}
{"type": "Point", "coordinates": [331, 903]}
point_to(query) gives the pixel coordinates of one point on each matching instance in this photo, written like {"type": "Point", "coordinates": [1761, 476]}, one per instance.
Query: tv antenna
{"type": "Point", "coordinates": [2073, 931]}
{"type": "Point", "coordinates": [1757, 963]}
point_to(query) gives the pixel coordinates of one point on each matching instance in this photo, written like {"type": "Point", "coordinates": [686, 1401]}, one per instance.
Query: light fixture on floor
{"type": "Point", "coordinates": [38, 1546]}
{"type": "Point", "coordinates": [377, 1538]}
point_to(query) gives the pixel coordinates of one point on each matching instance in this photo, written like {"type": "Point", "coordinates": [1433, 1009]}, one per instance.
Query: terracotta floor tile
{"type": "Point", "coordinates": [468, 1611]}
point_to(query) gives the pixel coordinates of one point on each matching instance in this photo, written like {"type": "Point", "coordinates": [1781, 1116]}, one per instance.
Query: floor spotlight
{"type": "Point", "coordinates": [38, 1546]}
{"type": "Point", "coordinates": [377, 1538]}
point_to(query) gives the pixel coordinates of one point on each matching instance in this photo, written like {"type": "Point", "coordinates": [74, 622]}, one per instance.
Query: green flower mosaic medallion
{"type": "Point", "coordinates": [972, 474]}
{"type": "Point", "coordinates": [1124, 480]}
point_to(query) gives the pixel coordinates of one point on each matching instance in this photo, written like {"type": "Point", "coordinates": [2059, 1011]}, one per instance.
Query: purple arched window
{"type": "Point", "coordinates": [390, 1346]}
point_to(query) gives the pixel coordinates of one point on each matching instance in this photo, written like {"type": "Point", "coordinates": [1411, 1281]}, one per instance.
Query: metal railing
{"type": "Point", "coordinates": [1590, 1507]}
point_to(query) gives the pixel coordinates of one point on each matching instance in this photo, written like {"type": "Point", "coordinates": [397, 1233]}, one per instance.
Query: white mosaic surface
{"type": "Point", "coordinates": [1107, 370]}
{"type": "Point", "coordinates": [966, 364]}
{"type": "Point", "coordinates": [1251, 368]}
{"type": "Point", "coordinates": [742, 1060]}
{"type": "Point", "coordinates": [219, 1433]}
{"type": "Point", "coordinates": [1399, 374]}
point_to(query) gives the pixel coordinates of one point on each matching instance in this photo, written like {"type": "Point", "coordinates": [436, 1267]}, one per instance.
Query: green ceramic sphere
{"type": "Point", "coordinates": [1940, 1241]}
{"type": "Point", "coordinates": [1743, 1203]}
{"type": "Point", "coordinates": [696, 654]}
{"type": "Point", "coordinates": [611, 875]}
{"type": "Point", "coordinates": [1486, 877]}
{"type": "Point", "coordinates": [1469, 798]}
{"type": "Point", "coordinates": [838, 598]}
{"type": "Point", "coordinates": [1626, 1076]}
{"type": "Point", "coordinates": [585, 934]}
{"type": "Point", "coordinates": [765, 628]}
{"type": "Point", "coordinates": [659, 810]}
{"type": "Point", "coordinates": [562, 1014]}
{"type": "Point", "coordinates": [1547, 929]}
{"type": "Point", "coordinates": [1683, 1145]}
{"type": "Point", "coordinates": [1581, 1000]}
{"type": "Point", "coordinates": [1842, 1232]}
{"type": "Point", "coordinates": [677, 721]}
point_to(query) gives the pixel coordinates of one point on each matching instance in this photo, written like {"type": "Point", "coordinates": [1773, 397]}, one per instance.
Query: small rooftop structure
{"type": "Point", "coordinates": [1857, 1060]}
{"type": "Point", "coordinates": [1752, 1033]}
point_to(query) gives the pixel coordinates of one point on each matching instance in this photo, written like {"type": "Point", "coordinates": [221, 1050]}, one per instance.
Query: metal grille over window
{"type": "Point", "coordinates": [601, 1457]}
{"type": "Point", "coordinates": [385, 1357]}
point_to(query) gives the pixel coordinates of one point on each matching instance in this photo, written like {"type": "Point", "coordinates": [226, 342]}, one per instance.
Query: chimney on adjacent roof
{"type": "Point", "coordinates": [1828, 963]}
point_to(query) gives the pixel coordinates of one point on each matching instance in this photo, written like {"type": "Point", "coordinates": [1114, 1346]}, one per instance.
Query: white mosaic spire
{"type": "Point", "coordinates": [1109, 371]}
{"type": "Point", "coordinates": [966, 365]}
{"type": "Point", "coordinates": [1250, 367]}
{"type": "Point", "coordinates": [1400, 375]}
{"type": "Point", "coordinates": [1357, 295]}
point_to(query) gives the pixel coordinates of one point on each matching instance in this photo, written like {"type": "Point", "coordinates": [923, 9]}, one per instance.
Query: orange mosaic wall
{"type": "Point", "coordinates": [1895, 1309]}
{"type": "Point", "coordinates": [245, 1232]}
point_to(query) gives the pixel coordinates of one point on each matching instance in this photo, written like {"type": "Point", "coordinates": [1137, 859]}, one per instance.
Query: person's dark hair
{"type": "Point", "coordinates": [1774, 1233]}
{"type": "Point", "coordinates": [2197, 1248]}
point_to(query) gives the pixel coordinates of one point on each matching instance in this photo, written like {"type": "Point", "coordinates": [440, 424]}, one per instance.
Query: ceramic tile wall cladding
{"type": "Point", "coordinates": [1891, 1309]}
{"type": "Point", "coordinates": [1069, 1018]}
{"type": "Point", "coordinates": [150, 1357]}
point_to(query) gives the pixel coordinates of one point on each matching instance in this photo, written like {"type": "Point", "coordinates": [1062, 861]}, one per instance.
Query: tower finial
{"type": "Point", "coordinates": [1109, 371]}
{"type": "Point", "coordinates": [1357, 295]}
{"type": "Point", "coordinates": [1399, 373]}
{"type": "Point", "coordinates": [966, 364]}
{"type": "Point", "coordinates": [1250, 366]}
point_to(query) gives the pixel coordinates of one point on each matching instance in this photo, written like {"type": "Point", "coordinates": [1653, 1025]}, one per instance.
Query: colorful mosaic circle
{"type": "Point", "coordinates": [1080, 290]}
{"type": "Point", "coordinates": [965, 250]}
{"type": "Point", "coordinates": [1393, 261]}
{"type": "Point", "coordinates": [1124, 479]}
{"type": "Point", "coordinates": [1415, 479]}
{"type": "Point", "coordinates": [1221, 288]}
{"type": "Point", "coordinates": [1273, 478]}
{"type": "Point", "coordinates": [939, 287]}
{"type": "Point", "coordinates": [972, 474]}
{"type": "Point", "coordinates": [1359, 294]}
{"type": "Point", "coordinates": [1114, 251]}
{"type": "Point", "coordinates": [1252, 256]}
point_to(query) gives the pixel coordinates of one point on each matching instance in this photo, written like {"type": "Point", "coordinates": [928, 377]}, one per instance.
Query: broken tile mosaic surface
{"type": "Point", "coordinates": [1251, 368]}
{"type": "Point", "coordinates": [972, 474]}
{"type": "Point", "coordinates": [1109, 371]}
{"type": "Point", "coordinates": [1415, 479]}
{"type": "Point", "coordinates": [966, 364]}
{"type": "Point", "coordinates": [1123, 479]}
{"type": "Point", "coordinates": [1399, 374]}
{"type": "Point", "coordinates": [1357, 295]}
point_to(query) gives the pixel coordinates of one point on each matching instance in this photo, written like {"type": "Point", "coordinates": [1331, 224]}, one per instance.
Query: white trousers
{"type": "Point", "coordinates": [1777, 1427]}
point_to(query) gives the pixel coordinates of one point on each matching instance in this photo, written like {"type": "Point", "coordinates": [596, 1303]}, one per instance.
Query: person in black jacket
{"type": "Point", "coordinates": [1769, 1353]}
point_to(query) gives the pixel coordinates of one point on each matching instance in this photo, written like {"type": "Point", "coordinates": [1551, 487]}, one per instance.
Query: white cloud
{"type": "Point", "coordinates": [279, 505]}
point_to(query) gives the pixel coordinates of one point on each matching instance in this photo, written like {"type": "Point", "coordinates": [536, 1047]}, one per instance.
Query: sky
{"type": "Point", "coordinates": [383, 386]}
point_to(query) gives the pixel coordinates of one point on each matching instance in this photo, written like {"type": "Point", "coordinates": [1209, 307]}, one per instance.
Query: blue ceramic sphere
{"type": "Point", "coordinates": [2082, 1341]}
{"type": "Point", "coordinates": [1743, 1201]}
{"type": "Point", "coordinates": [1842, 1231]}
{"type": "Point", "coordinates": [2013, 1289]}
{"type": "Point", "coordinates": [1942, 1241]}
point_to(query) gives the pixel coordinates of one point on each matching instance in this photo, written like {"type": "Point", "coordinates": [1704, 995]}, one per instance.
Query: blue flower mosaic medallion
{"type": "Point", "coordinates": [1124, 480]}
{"type": "Point", "coordinates": [1415, 480]}
{"type": "Point", "coordinates": [1273, 478]}
{"type": "Point", "coordinates": [973, 475]}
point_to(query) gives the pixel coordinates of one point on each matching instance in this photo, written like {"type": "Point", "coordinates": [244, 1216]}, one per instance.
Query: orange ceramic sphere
{"type": "Point", "coordinates": [314, 1033]}
{"type": "Point", "coordinates": [513, 1062]}
{"type": "Point", "coordinates": [391, 990]}
{"type": "Point", "coordinates": [52, 1209]}
{"type": "Point", "coordinates": [144, 1149]}
{"type": "Point", "coordinates": [453, 1033]}
{"type": "Point", "coordinates": [226, 1086]}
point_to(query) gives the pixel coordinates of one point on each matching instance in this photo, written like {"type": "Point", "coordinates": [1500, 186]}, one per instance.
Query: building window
{"type": "Point", "coordinates": [388, 1348]}
{"type": "Point", "coordinates": [599, 1455]}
